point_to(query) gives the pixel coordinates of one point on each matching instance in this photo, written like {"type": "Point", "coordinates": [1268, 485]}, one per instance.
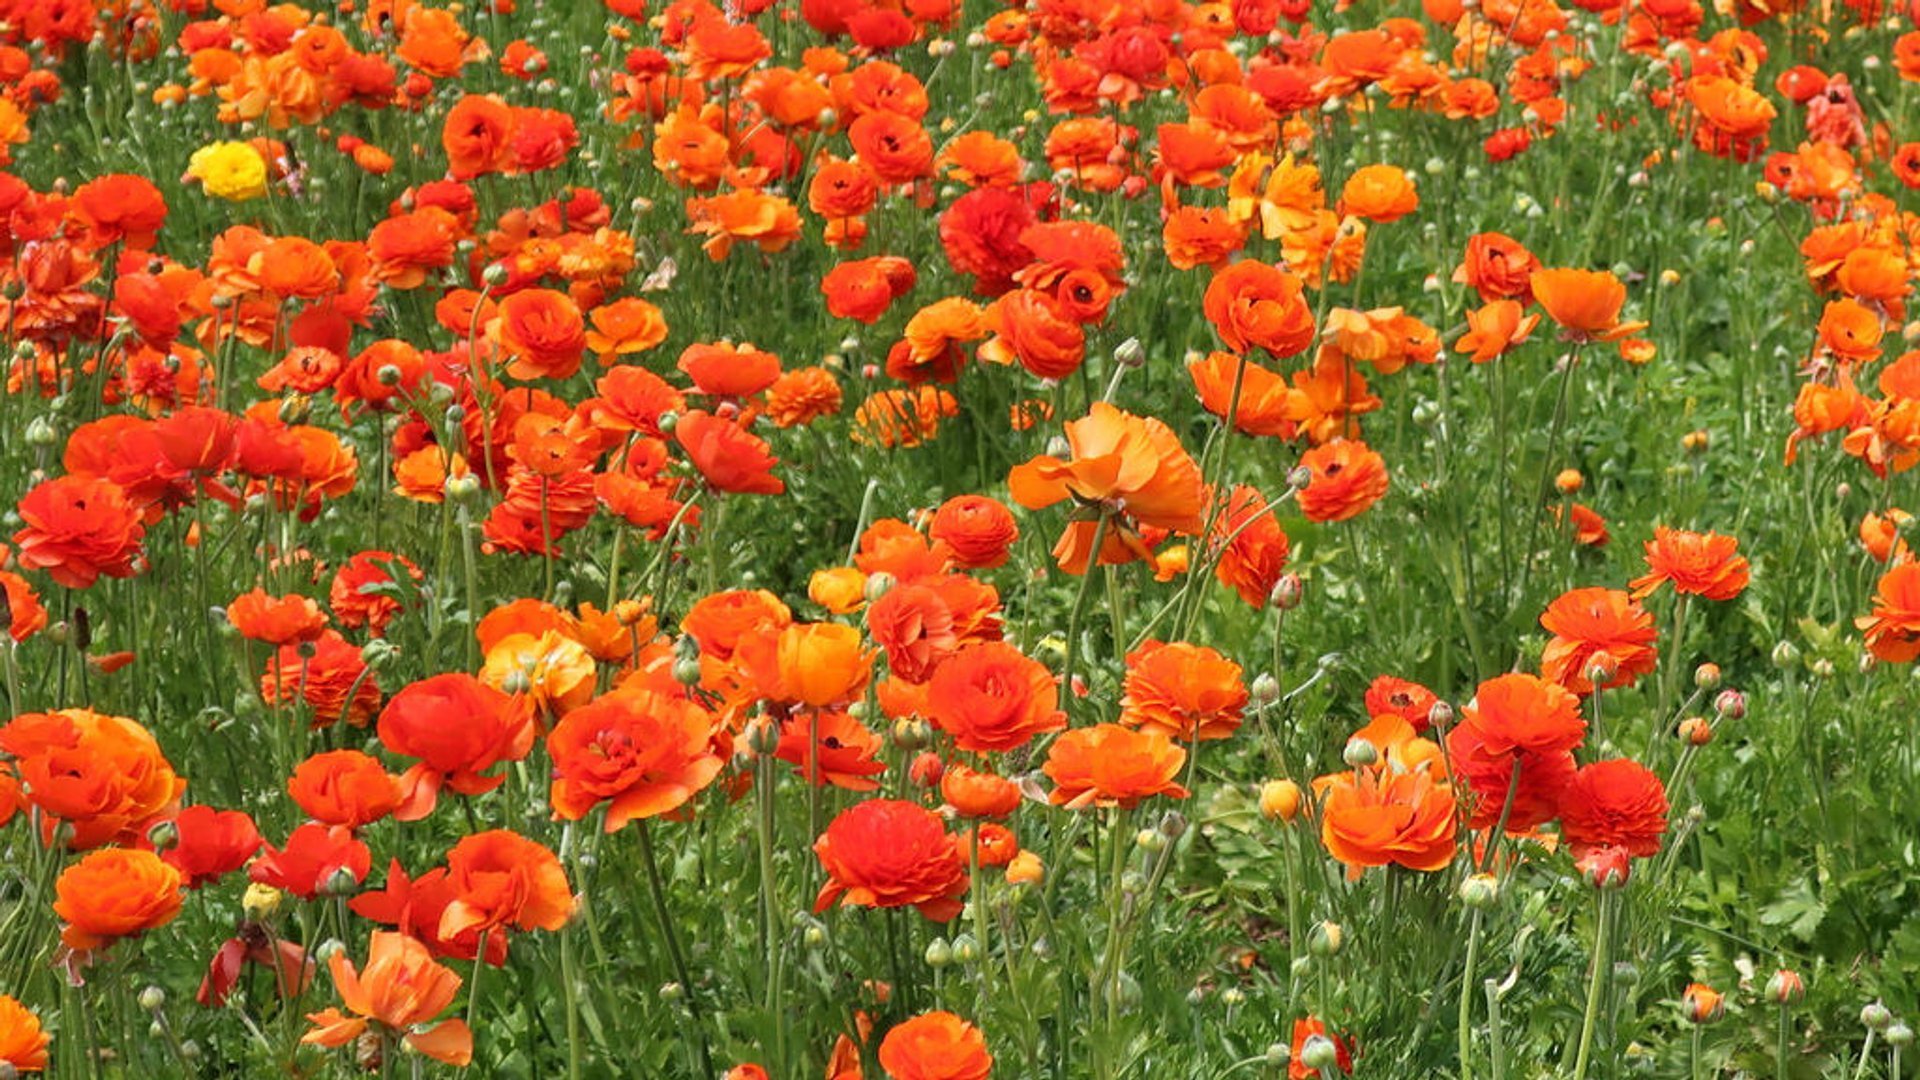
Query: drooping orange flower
{"type": "Point", "coordinates": [1614, 803]}
{"type": "Point", "coordinates": [1597, 625]}
{"type": "Point", "coordinates": [888, 853]}
{"type": "Point", "coordinates": [1879, 534]}
{"type": "Point", "coordinates": [1893, 630]}
{"type": "Point", "coordinates": [864, 288]}
{"type": "Point", "coordinates": [1372, 817]}
{"type": "Point", "coordinates": [344, 787]}
{"type": "Point", "coordinates": [317, 858]}
{"type": "Point", "coordinates": [642, 753]}
{"type": "Point", "coordinates": [1851, 331]}
{"type": "Point", "coordinates": [1182, 691]}
{"type": "Point", "coordinates": [993, 697]}
{"type": "Point", "coordinates": [23, 1044]}
{"type": "Point", "coordinates": [502, 879]}
{"type": "Point", "coordinates": [120, 208]}
{"type": "Point", "coordinates": [1586, 303]}
{"type": "Point", "coordinates": [1698, 564]}
{"type": "Point", "coordinates": [401, 989]}
{"type": "Point", "coordinates": [1520, 712]}
{"type": "Point", "coordinates": [1120, 458]}
{"type": "Point", "coordinates": [1112, 765]}
{"type": "Point", "coordinates": [1253, 305]}
{"type": "Point", "coordinates": [25, 614]}
{"type": "Point", "coordinates": [935, 1046]}
{"type": "Point", "coordinates": [78, 528]}
{"type": "Point", "coordinates": [115, 893]}
{"type": "Point", "coordinates": [1347, 478]}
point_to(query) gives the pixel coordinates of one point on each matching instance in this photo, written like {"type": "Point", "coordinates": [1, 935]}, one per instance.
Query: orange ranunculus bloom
{"type": "Point", "coordinates": [502, 879]}
{"type": "Point", "coordinates": [1256, 306]}
{"type": "Point", "coordinates": [1182, 691]}
{"type": "Point", "coordinates": [1528, 799]}
{"type": "Point", "coordinates": [344, 787]}
{"type": "Point", "coordinates": [1493, 328]}
{"type": "Point", "coordinates": [459, 728]}
{"type": "Point", "coordinates": [827, 746]}
{"type": "Point", "coordinates": [1599, 624]}
{"type": "Point", "coordinates": [1372, 817]}
{"type": "Point", "coordinates": [211, 844]}
{"type": "Point", "coordinates": [103, 777]}
{"type": "Point", "coordinates": [724, 369]}
{"type": "Point", "coordinates": [402, 989]}
{"type": "Point", "coordinates": [1851, 331]}
{"type": "Point", "coordinates": [1122, 458]}
{"type": "Point", "coordinates": [887, 853]}
{"type": "Point", "coordinates": [993, 697]}
{"type": "Point", "coordinates": [322, 674]}
{"type": "Point", "coordinates": [1498, 268]}
{"type": "Point", "coordinates": [1256, 547]}
{"type": "Point", "coordinates": [1266, 405]}
{"type": "Point", "coordinates": [276, 620]}
{"type": "Point", "coordinates": [1879, 534]}
{"type": "Point", "coordinates": [115, 893]}
{"type": "Point", "coordinates": [978, 793]}
{"type": "Point", "coordinates": [863, 289]}
{"type": "Point", "coordinates": [119, 208]}
{"type": "Point", "coordinates": [801, 396]}
{"type": "Point", "coordinates": [558, 671]}
{"type": "Point", "coordinates": [1700, 564]}
{"type": "Point", "coordinates": [26, 615]}
{"type": "Point", "coordinates": [1586, 303]}
{"type": "Point", "coordinates": [815, 664]}
{"type": "Point", "coordinates": [920, 623]}
{"type": "Point", "coordinates": [1893, 630]}
{"type": "Point", "coordinates": [23, 1044]}
{"type": "Point", "coordinates": [842, 590]}
{"type": "Point", "coordinates": [642, 753]}
{"type": "Point", "coordinates": [1615, 803]}
{"type": "Point", "coordinates": [935, 1046]}
{"type": "Point", "coordinates": [719, 620]}
{"type": "Point", "coordinates": [1520, 712]}
{"type": "Point", "coordinates": [542, 334]}
{"type": "Point", "coordinates": [1112, 765]}
{"type": "Point", "coordinates": [1379, 193]}
{"type": "Point", "coordinates": [477, 136]}
{"type": "Point", "coordinates": [978, 529]}
{"type": "Point", "coordinates": [1348, 477]}
{"type": "Point", "coordinates": [354, 599]}
{"type": "Point", "coordinates": [727, 455]}
{"type": "Point", "coordinates": [78, 528]}
{"type": "Point", "coordinates": [620, 328]}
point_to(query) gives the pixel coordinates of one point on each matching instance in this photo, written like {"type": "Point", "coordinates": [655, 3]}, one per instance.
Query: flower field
{"type": "Point", "coordinates": [928, 539]}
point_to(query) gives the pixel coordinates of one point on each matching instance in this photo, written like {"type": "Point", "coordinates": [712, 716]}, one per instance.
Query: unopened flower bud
{"type": "Point", "coordinates": [1876, 1016]}
{"type": "Point", "coordinates": [329, 949]}
{"type": "Point", "coordinates": [1280, 800]}
{"type": "Point", "coordinates": [1785, 987]}
{"type": "Point", "coordinates": [164, 836]}
{"type": "Point", "coordinates": [153, 999]}
{"type": "Point", "coordinates": [1265, 689]}
{"type": "Point", "coordinates": [1899, 1035]}
{"type": "Point", "coordinates": [939, 954]}
{"type": "Point", "coordinates": [1440, 715]}
{"type": "Point", "coordinates": [910, 734]}
{"type": "Point", "coordinates": [965, 949]}
{"type": "Point", "coordinates": [1602, 668]}
{"type": "Point", "coordinates": [1130, 353]}
{"type": "Point", "coordinates": [261, 902]}
{"type": "Point", "coordinates": [1695, 731]}
{"type": "Point", "coordinates": [1277, 1055]}
{"type": "Point", "coordinates": [339, 883]}
{"type": "Point", "coordinates": [1025, 869]}
{"type": "Point", "coordinates": [686, 672]}
{"type": "Point", "coordinates": [1785, 654]}
{"type": "Point", "coordinates": [1707, 676]}
{"type": "Point", "coordinates": [672, 991]}
{"type": "Point", "coordinates": [1287, 592]}
{"type": "Point", "coordinates": [516, 682]}
{"type": "Point", "coordinates": [763, 735]}
{"type": "Point", "coordinates": [1173, 824]}
{"type": "Point", "coordinates": [1731, 704]}
{"type": "Point", "coordinates": [927, 769]}
{"type": "Point", "coordinates": [1150, 840]}
{"type": "Point", "coordinates": [878, 585]}
{"type": "Point", "coordinates": [1702, 1004]}
{"type": "Point", "coordinates": [1319, 1053]}
{"type": "Point", "coordinates": [1325, 938]}
{"type": "Point", "coordinates": [1299, 477]}
{"type": "Point", "coordinates": [1480, 891]}
{"type": "Point", "coordinates": [494, 276]}
{"type": "Point", "coordinates": [1360, 753]}
{"type": "Point", "coordinates": [1569, 481]}
{"type": "Point", "coordinates": [1233, 997]}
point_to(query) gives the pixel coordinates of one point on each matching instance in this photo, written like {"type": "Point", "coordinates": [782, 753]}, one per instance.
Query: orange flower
{"type": "Point", "coordinates": [210, 844]}
{"type": "Point", "coordinates": [1879, 534]}
{"type": "Point", "coordinates": [1523, 787]}
{"type": "Point", "coordinates": [816, 664]}
{"type": "Point", "coordinates": [402, 989]}
{"type": "Point", "coordinates": [935, 1046]}
{"type": "Point", "coordinates": [827, 746]}
{"type": "Point", "coordinates": [1266, 404]}
{"type": "Point", "coordinates": [623, 327]}
{"type": "Point", "coordinates": [1893, 630]}
{"type": "Point", "coordinates": [1586, 303]}
{"type": "Point", "coordinates": [1498, 268]}
{"type": "Point", "coordinates": [728, 456]}
{"type": "Point", "coordinates": [23, 1044]}
{"type": "Point", "coordinates": [344, 787]}
{"type": "Point", "coordinates": [553, 672]}
{"type": "Point", "coordinates": [1348, 477]}
{"type": "Point", "coordinates": [115, 893]}
{"type": "Point", "coordinates": [887, 853]}
{"type": "Point", "coordinates": [502, 879]}
{"type": "Point", "coordinates": [801, 396]}
{"type": "Point", "coordinates": [1851, 331]}
{"type": "Point", "coordinates": [1372, 818]}
{"type": "Point", "coordinates": [1700, 564]}
{"type": "Point", "coordinates": [1111, 765]}
{"type": "Point", "coordinates": [1253, 305]}
{"type": "Point", "coordinates": [1256, 548]}
{"type": "Point", "coordinates": [77, 528]}
{"type": "Point", "coordinates": [1494, 328]}
{"type": "Point", "coordinates": [1119, 458]}
{"type": "Point", "coordinates": [1520, 712]}
{"type": "Point", "coordinates": [864, 288]}
{"type": "Point", "coordinates": [1182, 691]}
{"type": "Point", "coordinates": [101, 777]}
{"type": "Point", "coordinates": [978, 793]}
{"type": "Point", "coordinates": [120, 208]}
{"type": "Point", "coordinates": [1597, 625]}
{"type": "Point", "coordinates": [321, 674]}
{"type": "Point", "coordinates": [978, 529]}
{"type": "Point", "coordinates": [642, 753]}
{"type": "Point", "coordinates": [1615, 803]}
{"type": "Point", "coordinates": [1379, 193]}
{"type": "Point", "coordinates": [459, 728]}
{"type": "Point", "coordinates": [542, 333]}
{"type": "Point", "coordinates": [991, 697]}
{"type": "Point", "coordinates": [276, 620]}
{"type": "Point", "coordinates": [477, 136]}
{"type": "Point", "coordinates": [921, 623]}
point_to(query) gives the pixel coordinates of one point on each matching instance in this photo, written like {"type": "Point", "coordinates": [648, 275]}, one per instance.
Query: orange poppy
{"type": "Point", "coordinates": [502, 879]}
{"type": "Point", "coordinates": [344, 787]}
{"type": "Point", "coordinates": [1498, 267]}
{"type": "Point", "coordinates": [1347, 478]}
{"type": "Point", "coordinates": [77, 528]}
{"type": "Point", "coordinates": [401, 989]}
{"type": "Point", "coordinates": [1851, 331]}
{"type": "Point", "coordinates": [100, 779]}
{"type": "Point", "coordinates": [888, 853]}
{"type": "Point", "coordinates": [276, 620]}
{"type": "Point", "coordinates": [1700, 564]}
{"type": "Point", "coordinates": [1254, 305]}
{"type": "Point", "coordinates": [1586, 303]}
{"type": "Point", "coordinates": [115, 893]}
{"type": "Point", "coordinates": [1595, 624]}
{"type": "Point", "coordinates": [1112, 765]}
{"type": "Point", "coordinates": [1182, 691]}
{"type": "Point", "coordinates": [1256, 547]}
{"type": "Point", "coordinates": [1494, 328]}
{"type": "Point", "coordinates": [459, 728]}
{"type": "Point", "coordinates": [992, 697]}
{"type": "Point", "coordinates": [814, 664]}
{"type": "Point", "coordinates": [1121, 458]}
{"type": "Point", "coordinates": [1524, 787]}
{"type": "Point", "coordinates": [1379, 193]}
{"type": "Point", "coordinates": [978, 793]}
{"type": "Point", "coordinates": [322, 674]}
{"type": "Point", "coordinates": [935, 1046]}
{"type": "Point", "coordinates": [828, 746]}
{"type": "Point", "coordinates": [727, 455]}
{"type": "Point", "coordinates": [801, 396]}
{"type": "Point", "coordinates": [542, 333]}
{"type": "Point", "coordinates": [1519, 712]}
{"type": "Point", "coordinates": [623, 327]}
{"type": "Point", "coordinates": [979, 530]}
{"type": "Point", "coordinates": [209, 844]}
{"type": "Point", "coordinates": [863, 289]}
{"type": "Point", "coordinates": [1370, 817]}
{"type": "Point", "coordinates": [1266, 404]}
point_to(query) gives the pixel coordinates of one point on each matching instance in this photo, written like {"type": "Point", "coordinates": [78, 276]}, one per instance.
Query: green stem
{"type": "Point", "coordinates": [1595, 985]}
{"type": "Point", "coordinates": [664, 915]}
{"type": "Point", "coordinates": [1466, 997]}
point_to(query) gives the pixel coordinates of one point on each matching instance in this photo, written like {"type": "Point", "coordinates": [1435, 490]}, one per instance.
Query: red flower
{"type": "Point", "coordinates": [313, 855]}
{"type": "Point", "coordinates": [77, 528]}
{"type": "Point", "coordinates": [887, 853]}
{"type": "Point", "coordinates": [210, 844]}
{"type": "Point", "coordinates": [1614, 803]}
{"type": "Point", "coordinates": [730, 457]}
{"type": "Point", "coordinates": [459, 727]}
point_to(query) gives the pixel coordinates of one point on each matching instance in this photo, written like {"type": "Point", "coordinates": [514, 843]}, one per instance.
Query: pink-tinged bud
{"type": "Point", "coordinates": [869, 371]}
{"type": "Point", "coordinates": [1785, 987]}
{"type": "Point", "coordinates": [1602, 668]}
{"type": "Point", "coordinates": [927, 769]}
{"type": "Point", "coordinates": [1606, 868]}
{"type": "Point", "coordinates": [1695, 731]}
{"type": "Point", "coordinates": [1731, 704]}
{"type": "Point", "coordinates": [1707, 676]}
{"type": "Point", "coordinates": [1287, 592]}
{"type": "Point", "coordinates": [1702, 1004]}
{"type": "Point", "coordinates": [1079, 686]}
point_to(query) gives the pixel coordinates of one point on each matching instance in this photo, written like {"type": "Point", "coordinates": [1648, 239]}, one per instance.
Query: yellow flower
{"type": "Point", "coordinates": [230, 170]}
